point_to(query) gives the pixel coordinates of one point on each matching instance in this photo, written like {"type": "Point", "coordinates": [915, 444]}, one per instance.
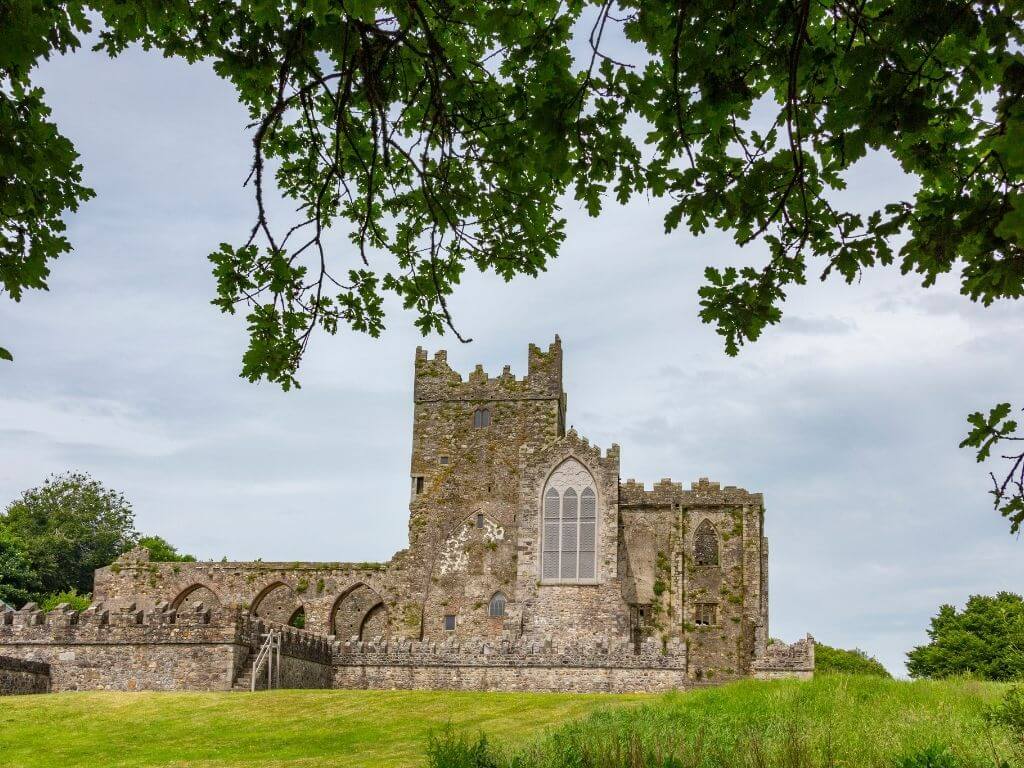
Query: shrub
{"type": "Point", "coordinates": [450, 749]}
{"type": "Point", "coordinates": [856, 662]}
{"type": "Point", "coordinates": [71, 597]}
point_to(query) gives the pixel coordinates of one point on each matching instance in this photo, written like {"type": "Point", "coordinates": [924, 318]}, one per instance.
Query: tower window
{"type": "Point", "coordinates": [496, 608]}
{"type": "Point", "coordinates": [444, 459]}
{"type": "Point", "coordinates": [705, 614]}
{"type": "Point", "coordinates": [705, 545]}
{"type": "Point", "coordinates": [479, 520]}
{"type": "Point", "coordinates": [419, 484]}
{"type": "Point", "coordinates": [482, 417]}
{"type": "Point", "coordinates": [449, 622]}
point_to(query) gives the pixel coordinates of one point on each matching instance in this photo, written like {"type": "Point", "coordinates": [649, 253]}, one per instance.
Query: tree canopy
{"type": "Point", "coordinates": [985, 640]}
{"type": "Point", "coordinates": [55, 536]}
{"type": "Point", "coordinates": [440, 136]}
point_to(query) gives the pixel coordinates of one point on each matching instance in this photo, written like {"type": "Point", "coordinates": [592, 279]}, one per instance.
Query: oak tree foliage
{"type": "Point", "coordinates": [438, 136]}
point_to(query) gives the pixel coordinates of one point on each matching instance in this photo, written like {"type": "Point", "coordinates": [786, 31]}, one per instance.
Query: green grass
{"type": "Point", "coordinates": [280, 728]}
{"type": "Point", "coordinates": [834, 721]}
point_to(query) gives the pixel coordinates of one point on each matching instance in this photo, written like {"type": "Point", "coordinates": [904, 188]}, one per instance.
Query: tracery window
{"type": "Point", "coordinates": [496, 608]}
{"type": "Point", "coordinates": [569, 526]}
{"type": "Point", "coordinates": [482, 417]}
{"type": "Point", "coordinates": [705, 545]}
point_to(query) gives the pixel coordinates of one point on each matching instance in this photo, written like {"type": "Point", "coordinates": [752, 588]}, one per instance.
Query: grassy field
{"type": "Point", "coordinates": [833, 722]}
{"type": "Point", "coordinates": [311, 729]}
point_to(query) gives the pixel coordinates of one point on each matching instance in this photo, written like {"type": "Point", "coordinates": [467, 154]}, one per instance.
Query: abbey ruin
{"type": "Point", "coordinates": [530, 566]}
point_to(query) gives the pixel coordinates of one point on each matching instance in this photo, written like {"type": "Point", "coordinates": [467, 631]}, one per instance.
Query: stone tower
{"type": "Point", "coordinates": [465, 479]}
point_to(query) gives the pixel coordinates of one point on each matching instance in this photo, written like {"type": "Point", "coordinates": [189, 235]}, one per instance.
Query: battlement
{"type": "Point", "coordinates": [665, 492]}
{"type": "Point", "coordinates": [781, 660]}
{"type": "Point", "coordinates": [435, 380]}
{"type": "Point", "coordinates": [604, 653]}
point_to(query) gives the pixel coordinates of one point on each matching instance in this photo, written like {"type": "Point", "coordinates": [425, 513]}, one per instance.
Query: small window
{"type": "Point", "coordinates": [419, 484]}
{"type": "Point", "coordinates": [705, 614]}
{"type": "Point", "coordinates": [496, 608]}
{"type": "Point", "coordinates": [482, 417]}
{"type": "Point", "coordinates": [449, 622]}
{"type": "Point", "coordinates": [444, 459]}
{"type": "Point", "coordinates": [705, 544]}
{"type": "Point", "coordinates": [479, 520]}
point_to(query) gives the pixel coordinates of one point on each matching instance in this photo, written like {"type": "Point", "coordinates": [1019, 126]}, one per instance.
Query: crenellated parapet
{"type": "Point", "coordinates": [550, 652]}
{"type": "Point", "coordinates": [123, 624]}
{"type": "Point", "coordinates": [437, 381]}
{"type": "Point", "coordinates": [702, 493]}
{"type": "Point", "coordinates": [781, 660]}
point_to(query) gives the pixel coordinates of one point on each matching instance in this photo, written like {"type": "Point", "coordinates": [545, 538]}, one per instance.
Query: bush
{"type": "Point", "coordinates": [161, 551]}
{"type": "Point", "coordinates": [856, 662]}
{"type": "Point", "coordinates": [450, 749]}
{"type": "Point", "coordinates": [1010, 715]}
{"type": "Point", "coordinates": [72, 598]}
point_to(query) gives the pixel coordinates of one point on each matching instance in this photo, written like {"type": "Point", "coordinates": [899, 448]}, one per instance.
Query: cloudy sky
{"type": "Point", "coordinates": [847, 417]}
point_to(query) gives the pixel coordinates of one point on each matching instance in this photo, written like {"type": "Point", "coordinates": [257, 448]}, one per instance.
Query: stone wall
{"type": "Point", "coordinates": [784, 661]}
{"type": "Point", "coordinates": [158, 650]}
{"type": "Point", "coordinates": [19, 676]}
{"type": "Point", "coordinates": [601, 667]}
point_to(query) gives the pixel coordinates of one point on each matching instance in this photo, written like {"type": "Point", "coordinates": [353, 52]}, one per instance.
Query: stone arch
{"type": "Point", "coordinates": [705, 544]}
{"type": "Point", "coordinates": [276, 602]}
{"type": "Point", "coordinates": [359, 612]}
{"type": "Point", "coordinates": [196, 593]}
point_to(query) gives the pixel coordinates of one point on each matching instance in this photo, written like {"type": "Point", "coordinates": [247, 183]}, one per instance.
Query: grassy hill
{"type": "Point", "coordinates": [834, 721]}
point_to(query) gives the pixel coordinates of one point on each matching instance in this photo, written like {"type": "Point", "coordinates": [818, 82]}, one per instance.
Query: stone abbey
{"type": "Point", "coordinates": [530, 566]}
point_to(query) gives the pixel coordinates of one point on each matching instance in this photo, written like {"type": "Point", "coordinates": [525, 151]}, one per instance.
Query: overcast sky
{"type": "Point", "coordinates": [847, 416]}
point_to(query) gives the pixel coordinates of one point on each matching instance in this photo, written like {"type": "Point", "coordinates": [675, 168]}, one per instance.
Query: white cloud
{"type": "Point", "coordinates": [847, 416]}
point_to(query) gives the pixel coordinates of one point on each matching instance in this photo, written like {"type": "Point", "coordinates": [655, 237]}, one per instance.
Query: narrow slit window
{"type": "Point", "coordinates": [419, 484]}
{"type": "Point", "coordinates": [479, 520]}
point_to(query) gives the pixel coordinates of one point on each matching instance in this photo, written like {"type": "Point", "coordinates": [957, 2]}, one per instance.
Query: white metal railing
{"type": "Point", "coordinates": [269, 655]}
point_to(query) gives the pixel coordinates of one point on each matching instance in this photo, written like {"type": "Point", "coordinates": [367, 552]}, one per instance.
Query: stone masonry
{"type": "Point", "coordinates": [531, 566]}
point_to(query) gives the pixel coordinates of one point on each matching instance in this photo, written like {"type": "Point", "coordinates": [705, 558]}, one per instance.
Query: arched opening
{"type": "Point", "coordinates": [705, 544]}
{"type": "Point", "coordinates": [360, 612]}
{"type": "Point", "coordinates": [298, 619]}
{"type": "Point", "coordinates": [197, 593]}
{"type": "Point", "coordinates": [496, 607]}
{"type": "Point", "coordinates": [277, 603]}
{"type": "Point", "coordinates": [569, 526]}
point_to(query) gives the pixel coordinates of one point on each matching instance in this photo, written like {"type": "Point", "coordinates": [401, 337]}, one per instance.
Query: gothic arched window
{"type": "Point", "coordinates": [496, 608]}
{"type": "Point", "coordinates": [569, 526]}
{"type": "Point", "coordinates": [705, 545]}
{"type": "Point", "coordinates": [482, 417]}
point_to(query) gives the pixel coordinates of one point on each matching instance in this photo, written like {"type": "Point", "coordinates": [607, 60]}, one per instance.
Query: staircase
{"type": "Point", "coordinates": [243, 680]}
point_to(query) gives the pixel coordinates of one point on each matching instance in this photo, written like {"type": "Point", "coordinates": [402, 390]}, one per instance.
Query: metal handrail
{"type": "Point", "coordinates": [269, 654]}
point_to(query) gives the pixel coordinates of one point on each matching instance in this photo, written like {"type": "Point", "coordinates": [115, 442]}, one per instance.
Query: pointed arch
{"type": "Point", "coordinates": [705, 544]}
{"type": "Point", "coordinates": [276, 602]}
{"type": "Point", "coordinates": [569, 525]}
{"type": "Point", "coordinates": [358, 612]}
{"type": "Point", "coordinates": [196, 593]}
{"type": "Point", "coordinates": [496, 605]}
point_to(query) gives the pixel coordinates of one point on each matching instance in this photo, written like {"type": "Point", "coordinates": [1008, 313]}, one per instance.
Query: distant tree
{"type": "Point", "coordinates": [986, 639]}
{"type": "Point", "coordinates": [19, 583]}
{"type": "Point", "coordinates": [68, 527]}
{"type": "Point", "coordinates": [161, 551]}
{"type": "Point", "coordinates": [853, 662]}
